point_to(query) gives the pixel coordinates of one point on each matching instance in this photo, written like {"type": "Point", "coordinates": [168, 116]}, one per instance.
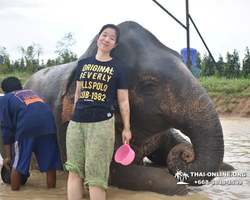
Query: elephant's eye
{"type": "Point", "coordinates": [149, 87]}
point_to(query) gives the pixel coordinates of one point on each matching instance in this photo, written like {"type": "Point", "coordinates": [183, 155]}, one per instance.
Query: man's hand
{"type": "Point", "coordinates": [126, 135]}
{"type": "Point", "coordinates": [7, 161]}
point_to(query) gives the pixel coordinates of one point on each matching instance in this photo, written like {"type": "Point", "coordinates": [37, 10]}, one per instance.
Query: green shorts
{"type": "Point", "coordinates": [90, 149]}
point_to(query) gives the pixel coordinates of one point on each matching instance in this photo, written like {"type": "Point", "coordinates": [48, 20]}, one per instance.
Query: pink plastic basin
{"type": "Point", "coordinates": [124, 155]}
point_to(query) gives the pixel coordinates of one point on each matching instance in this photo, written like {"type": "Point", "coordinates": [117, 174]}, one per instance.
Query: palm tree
{"type": "Point", "coordinates": [178, 174]}
{"type": "Point", "coordinates": [185, 176]}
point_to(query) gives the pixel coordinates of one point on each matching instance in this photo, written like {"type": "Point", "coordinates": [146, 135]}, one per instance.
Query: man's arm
{"type": "Point", "coordinates": [7, 160]}
{"type": "Point", "coordinates": [123, 101]}
{"type": "Point", "coordinates": [7, 129]}
{"type": "Point", "coordinates": [8, 139]}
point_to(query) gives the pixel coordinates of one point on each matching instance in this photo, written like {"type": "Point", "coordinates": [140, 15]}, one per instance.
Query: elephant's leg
{"type": "Point", "coordinates": [61, 132]}
{"type": "Point", "coordinates": [61, 136]}
{"type": "Point", "coordinates": [142, 178]}
{"type": "Point", "coordinates": [171, 139]}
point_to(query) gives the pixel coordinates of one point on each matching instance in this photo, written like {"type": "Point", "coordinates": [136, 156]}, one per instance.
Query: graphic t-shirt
{"type": "Point", "coordinates": [99, 83]}
{"type": "Point", "coordinates": [24, 115]}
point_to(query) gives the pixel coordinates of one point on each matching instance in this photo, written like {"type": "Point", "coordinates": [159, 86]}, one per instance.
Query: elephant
{"type": "Point", "coordinates": [164, 97]}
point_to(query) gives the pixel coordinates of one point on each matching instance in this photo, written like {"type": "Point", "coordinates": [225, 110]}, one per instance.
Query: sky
{"type": "Point", "coordinates": [223, 24]}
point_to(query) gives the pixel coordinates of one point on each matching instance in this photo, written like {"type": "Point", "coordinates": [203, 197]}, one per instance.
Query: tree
{"type": "Point", "coordinates": [22, 66]}
{"type": "Point", "coordinates": [5, 67]}
{"type": "Point", "coordinates": [32, 67]}
{"type": "Point", "coordinates": [39, 52]}
{"type": "Point", "coordinates": [198, 60]}
{"type": "Point", "coordinates": [208, 67]}
{"type": "Point", "coordinates": [236, 62]}
{"type": "Point", "coordinates": [246, 64]}
{"type": "Point", "coordinates": [1, 60]}
{"type": "Point", "coordinates": [220, 64]}
{"type": "Point", "coordinates": [49, 63]}
{"type": "Point", "coordinates": [3, 55]}
{"type": "Point", "coordinates": [4, 61]}
{"type": "Point", "coordinates": [42, 64]}
{"type": "Point", "coordinates": [15, 66]}
{"type": "Point", "coordinates": [232, 66]}
{"type": "Point", "coordinates": [29, 55]}
{"type": "Point", "coordinates": [65, 55]}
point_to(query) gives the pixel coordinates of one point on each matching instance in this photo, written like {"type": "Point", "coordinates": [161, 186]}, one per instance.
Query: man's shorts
{"type": "Point", "coordinates": [46, 149]}
{"type": "Point", "coordinates": [90, 149]}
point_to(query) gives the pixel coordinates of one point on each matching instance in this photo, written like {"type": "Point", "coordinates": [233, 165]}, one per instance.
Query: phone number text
{"type": "Point", "coordinates": [218, 182]}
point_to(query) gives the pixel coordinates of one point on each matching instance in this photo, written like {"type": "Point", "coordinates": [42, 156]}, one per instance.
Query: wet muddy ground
{"type": "Point", "coordinates": [237, 153]}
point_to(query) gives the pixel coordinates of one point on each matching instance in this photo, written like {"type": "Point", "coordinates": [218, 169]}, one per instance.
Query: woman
{"type": "Point", "coordinates": [91, 131]}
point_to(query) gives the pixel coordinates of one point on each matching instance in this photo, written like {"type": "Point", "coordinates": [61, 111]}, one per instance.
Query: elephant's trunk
{"type": "Point", "coordinates": [202, 125]}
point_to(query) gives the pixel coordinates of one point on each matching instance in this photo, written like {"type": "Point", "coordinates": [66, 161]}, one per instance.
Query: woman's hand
{"type": "Point", "coordinates": [126, 135]}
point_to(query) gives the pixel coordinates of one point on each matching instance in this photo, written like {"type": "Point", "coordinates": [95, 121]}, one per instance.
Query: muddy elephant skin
{"type": "Point", "coordinates": [163, 95]}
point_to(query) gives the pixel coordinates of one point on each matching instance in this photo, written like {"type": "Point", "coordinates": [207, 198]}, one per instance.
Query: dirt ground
{"type": "Point", "coordinates": [236, 107]}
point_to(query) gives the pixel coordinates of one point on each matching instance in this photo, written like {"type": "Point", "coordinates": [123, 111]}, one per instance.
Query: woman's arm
{"type": "Point", "coordinates": [77, 93]}
{"type": "Point", "coordinates": [123, 101]}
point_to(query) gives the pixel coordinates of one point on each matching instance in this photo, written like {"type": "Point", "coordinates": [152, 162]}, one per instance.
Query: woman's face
{"type": "Point", "coordinates": [106, 41]}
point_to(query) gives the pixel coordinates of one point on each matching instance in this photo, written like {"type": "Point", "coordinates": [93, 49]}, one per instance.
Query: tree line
{"type": "Point", "coordinates": [29, 61]}
{"type": "Point", "coordinates": [231, 67]}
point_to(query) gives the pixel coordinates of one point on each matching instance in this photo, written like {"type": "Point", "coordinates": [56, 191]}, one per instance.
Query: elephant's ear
{"type": "Point", "coordinates": [69, 87]}
{"type": "Point", "coordinates": [68, 97]}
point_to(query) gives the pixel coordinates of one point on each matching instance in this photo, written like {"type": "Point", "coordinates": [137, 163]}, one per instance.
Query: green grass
{"type": "Point", "coordinates": [221, 87]}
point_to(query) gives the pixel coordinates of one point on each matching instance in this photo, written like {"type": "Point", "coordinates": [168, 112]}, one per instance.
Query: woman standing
{"type": "Point", "coordinates": [91, 131]}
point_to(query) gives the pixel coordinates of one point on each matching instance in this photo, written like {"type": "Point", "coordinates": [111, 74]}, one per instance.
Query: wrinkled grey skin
{"type": "Point", "coordinates": [163, 95]}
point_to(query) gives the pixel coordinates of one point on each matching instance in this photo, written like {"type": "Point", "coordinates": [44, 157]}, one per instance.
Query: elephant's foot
{"type": "Point", "coordinates": [142, 178]}
{"type": "Point", "coordinates": [226, 167]}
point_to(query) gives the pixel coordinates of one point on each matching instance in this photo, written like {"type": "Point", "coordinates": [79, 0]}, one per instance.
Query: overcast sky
{"type": "Point", "coordinates": [223, 24]}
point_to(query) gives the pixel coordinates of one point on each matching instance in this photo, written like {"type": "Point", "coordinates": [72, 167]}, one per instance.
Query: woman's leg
{"type": "Point", "coordinates": [74, 186]}
{"type": "Point", "coordinates": [97, 193]}
{"type": "Point", "coordinates": [75, 160]}
{"type": "Point", "coordinates": [99, 143]}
